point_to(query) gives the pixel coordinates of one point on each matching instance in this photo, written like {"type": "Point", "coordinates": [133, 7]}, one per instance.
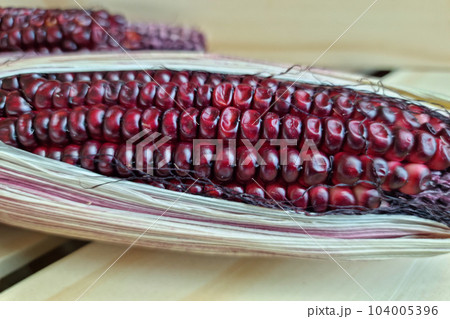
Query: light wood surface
{"type": "Point", "coordinates": [18, 247]}
{"type": "Point", "coordinates": [390, 34]}
{"type": "Point", "coordinates": [419, 79]}
{"type": "Point", "coordinates": [161, 275]}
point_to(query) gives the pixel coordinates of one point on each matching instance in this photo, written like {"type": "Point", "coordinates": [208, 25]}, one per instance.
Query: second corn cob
{"type": "Point", "coordinates": [55, 30]}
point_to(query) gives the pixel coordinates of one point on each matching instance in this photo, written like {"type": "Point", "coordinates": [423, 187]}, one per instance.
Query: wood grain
{"type": "Point", "coordinates": [18, 247]}
{"type": "Point", "coordinates": [421, 79]}
{"type": "Point", "coordinates": [161, 275]}
{"type": "Point", "coordinates": [401, 33]}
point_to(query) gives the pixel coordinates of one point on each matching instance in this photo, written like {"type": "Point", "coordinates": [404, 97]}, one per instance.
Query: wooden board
{"type": "Point", "coordinates": [161, 275]}
{"type": "Point", "coordinates": [421, 79]}
{"type": "Point", "coordinates": [18, 247]}
{"type": "Point", "coordinates": [391, 34]}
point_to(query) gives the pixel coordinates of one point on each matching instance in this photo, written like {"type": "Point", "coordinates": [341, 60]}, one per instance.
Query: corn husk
{"type": "Point", "coordinates": [54, 197]}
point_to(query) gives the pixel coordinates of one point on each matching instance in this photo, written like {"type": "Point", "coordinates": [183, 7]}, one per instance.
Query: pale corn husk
{"type": "Point", "coordinates": [57, 198]}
